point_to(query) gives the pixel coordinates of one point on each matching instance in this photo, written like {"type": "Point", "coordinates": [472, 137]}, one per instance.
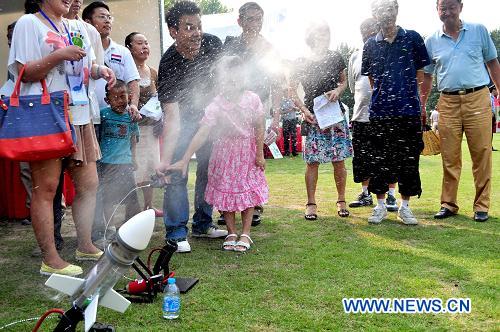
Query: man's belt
{"type": "Point", "coordinates": [463, 91]}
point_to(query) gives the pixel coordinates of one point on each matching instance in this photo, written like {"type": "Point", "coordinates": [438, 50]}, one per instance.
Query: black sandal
{"type": "Point", "coordinates": [310, 216]}
{"type": "Point", "coordinates": [343, 213]}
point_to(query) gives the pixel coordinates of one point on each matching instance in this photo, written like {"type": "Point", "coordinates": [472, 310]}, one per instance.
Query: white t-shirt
{"type": "Point", "coordinates": [360, 86]}
{"type": "Point", "coordinates": [434, 116]}
{"type": "Point", "coordinates": [95, 40]}
{"type": "Point", "coordinates": [119, 59]}
{"type": "Point", "coordinates": [32, 40]}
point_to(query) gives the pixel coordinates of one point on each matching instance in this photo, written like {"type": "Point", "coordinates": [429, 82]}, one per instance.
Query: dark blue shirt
{"type": "Point", "coordinates": [393, 68]}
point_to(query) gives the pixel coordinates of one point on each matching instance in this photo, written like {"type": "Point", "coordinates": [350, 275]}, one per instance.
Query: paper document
{"type": "Point", "coordinates": [275, 151]}
{"type": "Point", "coordinates": [327, 113]}
{"type": "Point", "coordinates": [152, 109]}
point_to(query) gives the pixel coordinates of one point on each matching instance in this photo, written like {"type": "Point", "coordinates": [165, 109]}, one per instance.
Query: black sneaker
{"type": "Point", "coordinates": [256, 219]}
{"type": "Point", "coordinates": [221, 220]}
{"type": "Point", "coordinates": [362, 200]}
{"type": "Point", "coordinates": [391, 203]}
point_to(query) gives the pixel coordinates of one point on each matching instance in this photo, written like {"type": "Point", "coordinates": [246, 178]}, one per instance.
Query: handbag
{"type": "Point", "coordinates": [36, 127]}
{"type": "Point", "coordinates": [431, 142]}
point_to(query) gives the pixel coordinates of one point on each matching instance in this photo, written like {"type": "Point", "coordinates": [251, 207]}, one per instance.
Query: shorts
{"type": "Point", "coordinates": [396, 144]}
{"type": "Point", "coordinates": [362, 159]}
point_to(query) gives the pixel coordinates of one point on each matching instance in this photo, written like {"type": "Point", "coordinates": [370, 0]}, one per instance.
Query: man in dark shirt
{"type": "Point", "coordinates": [184, 90]}
{"type": "Point", "coordinates": [258, 56]}
{"type": "Point", "coordinates": [393, 60]}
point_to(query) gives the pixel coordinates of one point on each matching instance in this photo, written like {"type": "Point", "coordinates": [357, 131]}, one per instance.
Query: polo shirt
{"type": "Point", "coordinates": [190, 83]}
{"type": "Point", "coordinates": [119, 59]}
{"type": "Point", "coordinates": [460, 64]}
{"type": "Point", "coordinates": [393, 68]}
{"type": "Point", "coordinates": [116, 132]}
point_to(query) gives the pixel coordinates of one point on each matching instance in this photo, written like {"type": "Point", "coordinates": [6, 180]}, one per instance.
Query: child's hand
{"type": "Point", "coordinates": [181, 165]}
{"type": "Point", "coordinates": [260, 162]}
{"type": "Point", "coordinates": [134, 113]}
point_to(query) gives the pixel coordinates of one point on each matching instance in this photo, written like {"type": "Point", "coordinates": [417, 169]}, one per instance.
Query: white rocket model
{"type": "Point", "coordinates": [97, 288]}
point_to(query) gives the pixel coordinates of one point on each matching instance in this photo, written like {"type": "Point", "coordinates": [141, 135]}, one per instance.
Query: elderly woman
{"type": "Point", "coordinates": [323, 73]}
{"type": "Point", "coordinates": [42, 44]}
{"type": "Point", "coordinates": [148, 147]}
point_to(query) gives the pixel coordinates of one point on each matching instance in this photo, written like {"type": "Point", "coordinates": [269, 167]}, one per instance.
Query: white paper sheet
{"type": "Point", "coordinates": [152, 109]}
{"type": "Point", "coordinates": [327, 113]}
{"type": "Point", "coordinates": [275, 151]}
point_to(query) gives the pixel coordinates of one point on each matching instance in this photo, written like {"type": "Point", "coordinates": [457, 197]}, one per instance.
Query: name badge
{"type": "Point", "coordinates": [77, 90]}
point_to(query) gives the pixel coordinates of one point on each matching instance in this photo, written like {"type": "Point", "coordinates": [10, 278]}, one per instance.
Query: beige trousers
{"type": "Point", "coordinates": [470, 113]}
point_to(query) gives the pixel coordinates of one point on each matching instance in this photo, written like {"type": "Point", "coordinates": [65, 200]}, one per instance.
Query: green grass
{"type": "Point", "coordinates": [298, 271]}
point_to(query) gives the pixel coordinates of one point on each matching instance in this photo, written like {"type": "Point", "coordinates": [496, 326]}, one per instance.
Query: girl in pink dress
{"type": "Point", "coordinates": [236, 181]}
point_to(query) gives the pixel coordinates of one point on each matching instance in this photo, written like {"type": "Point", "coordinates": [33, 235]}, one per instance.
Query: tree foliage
{"type": "Point", "coordinates": [207, 6]}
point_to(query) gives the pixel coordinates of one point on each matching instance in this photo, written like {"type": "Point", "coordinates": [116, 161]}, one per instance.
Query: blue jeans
{"type": "Point", "coordinates": [175, 197]}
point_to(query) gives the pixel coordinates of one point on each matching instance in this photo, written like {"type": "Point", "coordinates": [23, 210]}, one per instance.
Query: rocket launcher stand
{"type": "Point", "coordinates": [154, 279]}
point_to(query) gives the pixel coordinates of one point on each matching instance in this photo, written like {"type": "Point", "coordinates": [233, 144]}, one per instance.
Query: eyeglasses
{"type": "Point", "coordinates": [108, 18]}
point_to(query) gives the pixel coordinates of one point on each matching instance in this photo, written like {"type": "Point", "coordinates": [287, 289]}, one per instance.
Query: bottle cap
{"type": "Point", "coordinates": [171, 281]}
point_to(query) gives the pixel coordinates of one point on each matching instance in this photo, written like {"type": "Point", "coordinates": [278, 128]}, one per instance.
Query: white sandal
{"type": "Point", "coordinates": [246, 246]}
{"type": "Point", "coordinates": [229, 245]}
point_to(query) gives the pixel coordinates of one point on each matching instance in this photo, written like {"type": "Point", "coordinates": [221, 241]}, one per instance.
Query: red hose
{"type": "Point", "coordinates": [48, 312]}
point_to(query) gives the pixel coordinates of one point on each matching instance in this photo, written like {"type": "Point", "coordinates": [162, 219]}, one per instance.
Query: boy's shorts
{"type": "Point", "coordinates": [115, 182]}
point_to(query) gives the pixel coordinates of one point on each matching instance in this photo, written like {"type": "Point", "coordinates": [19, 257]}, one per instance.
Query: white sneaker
{"type": "Point", "coordinates": [378, 214]}
{"type": "Point", "coordinates": [183, 246]}
{"type": "Point", "coordinates": [406, 216]}
{"type": "Point", "coordinates": [212, 232]}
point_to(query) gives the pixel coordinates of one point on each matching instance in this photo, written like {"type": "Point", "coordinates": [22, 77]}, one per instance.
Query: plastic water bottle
{"type": "Point", "coordinates": [171, 300]}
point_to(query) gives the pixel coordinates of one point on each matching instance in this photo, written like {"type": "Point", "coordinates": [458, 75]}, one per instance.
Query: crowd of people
{"type": "Point", "coordinates": [213, 98]}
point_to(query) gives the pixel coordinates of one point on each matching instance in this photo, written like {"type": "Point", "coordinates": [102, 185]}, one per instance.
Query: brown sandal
{"type": "Point", "coordinates": [310, 216]}
{"type": "Point", "coordinates": [342, 212]}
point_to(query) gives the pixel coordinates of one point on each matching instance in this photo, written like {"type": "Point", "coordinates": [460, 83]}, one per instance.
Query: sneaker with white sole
{"type": "Point", "coordinates": [391, 203]}
{"type": "Point", "coordinates": [378, 214]}
{"type": "Point", "coordinates": [183, 247]}
{"type": "Point", "coordinates": [212, 233]}
{"type": "Point", "coordinates": [364, 199]}
{"type": "Point", "coordinates": [406, 216]}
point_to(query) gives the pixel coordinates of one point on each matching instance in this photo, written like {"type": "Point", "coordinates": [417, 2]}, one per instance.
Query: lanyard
{"type": "Point", "coordinates": [55, 28]}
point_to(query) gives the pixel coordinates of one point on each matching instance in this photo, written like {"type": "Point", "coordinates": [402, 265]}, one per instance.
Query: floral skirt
{"type": "Point", "coordinates": [330, 145]}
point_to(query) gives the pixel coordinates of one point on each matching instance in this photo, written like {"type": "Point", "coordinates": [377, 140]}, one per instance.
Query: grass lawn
{"type": "Point", "coordinates": [298, 271]}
